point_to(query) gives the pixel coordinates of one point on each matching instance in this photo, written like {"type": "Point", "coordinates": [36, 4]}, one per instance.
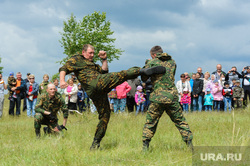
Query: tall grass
{"type": "Point", "coordinates": [122, 144]}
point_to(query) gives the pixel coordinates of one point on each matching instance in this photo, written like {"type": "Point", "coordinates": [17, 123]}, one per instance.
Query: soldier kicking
{"type": "Point", "coordinates": [48, 104]}
{"type": "Point", "coordinates": [97, 82]}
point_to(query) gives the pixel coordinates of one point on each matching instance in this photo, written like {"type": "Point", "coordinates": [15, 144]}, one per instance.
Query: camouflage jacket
{"type": "Point", "coordinates": [87, 72]}
{"type": "Point", "coordinates": [44, 103]}
{"type": "Point", "coordinates": [238, 92]}
{"type": "Point", "coordinates": [43, 87]}
{"type": "Point", "coordinates": [164, 90]}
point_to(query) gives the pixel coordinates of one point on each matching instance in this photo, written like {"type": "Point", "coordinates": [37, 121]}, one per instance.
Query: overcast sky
{"type": "Point", "coordinates": [195, 32]}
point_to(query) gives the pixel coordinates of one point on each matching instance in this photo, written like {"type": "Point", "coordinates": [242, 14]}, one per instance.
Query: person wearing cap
{"type": "Point", "coordinates": [227, 92]}
{"type": "Point", "coordinates": [11, 83]}
{"type": "Point", "coordinates": [3, 86]}
{"type": "Point", "coordinates": [208, 100]}
{"type": "Point", "coordinates": [164, 98]}
{"type": "Point", "coordinates": [185, 100]}
{"type": "Point", "coordinates": [217, 94]}
{"type": "Point", "coordinates": [139, 99]}
{"type": "Point", "coordinates": [18, 89]}
{"type": "Point", "coordinates": [238, 95]}
{"type": "Point", "coordinates": [32, 89]}
{"type": "Point", "coordinates": [246, 83]}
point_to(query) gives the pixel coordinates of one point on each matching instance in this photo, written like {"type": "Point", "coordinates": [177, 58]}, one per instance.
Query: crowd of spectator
{"type": "Point", "coordinates": [197, 92]}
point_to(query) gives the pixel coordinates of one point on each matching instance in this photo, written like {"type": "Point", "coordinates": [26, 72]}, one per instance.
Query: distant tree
{"type": "Point", "coordinates": [94, 30]}
{"type": "Point", "coordinates": [55, 76]}
{"type": "Point", "coordinates": [1, 68]}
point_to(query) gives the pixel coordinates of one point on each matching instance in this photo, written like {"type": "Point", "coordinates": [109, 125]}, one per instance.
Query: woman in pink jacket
{"type": "Point", "coordinates": [120, 101]}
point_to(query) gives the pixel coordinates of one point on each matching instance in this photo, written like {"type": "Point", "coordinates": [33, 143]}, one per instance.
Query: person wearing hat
{"type": "Point", "coordinates": [208, 100]}
{"type": "Point", "coordinates": [217, 94]}
{"type": "Point", "coordinates": [11, 83]}
{"type": "Point", "coordinates": [227, 92]}
{"type": "Point", "coordinates": [238, 95]}
{"type": "Point", "coordinates": [139, 99]}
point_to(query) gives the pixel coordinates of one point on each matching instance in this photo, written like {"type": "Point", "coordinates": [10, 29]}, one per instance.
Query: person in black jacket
{"type": "Point", "coordinates": [246, 83]}
{"type": "Point", "coordinates": [232, 74]}
{"type": "Point", "coordinates": [197, 92]}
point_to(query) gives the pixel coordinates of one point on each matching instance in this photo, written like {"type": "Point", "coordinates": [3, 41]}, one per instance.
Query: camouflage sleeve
{"type": "Point", "coordinates": [64, 107]}
{"type": "Point", "coordinates": [39, 105]}
{"type": "Point", "coordinates": [69, 66]}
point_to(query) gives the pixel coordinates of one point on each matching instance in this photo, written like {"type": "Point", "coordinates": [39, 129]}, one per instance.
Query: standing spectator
{"type": "Point", "coordinates": [120, 102]}
{"type": "Point", "coordinates": [71, 96]}
{"type": "Point", "coordinates": [185, 100]}
{"type": "Point", "coordinates": [58, 89]}
{"type": "Point", "coordinates": [227, 96]}
{"type": "Point", "coordinates": [199, 70]}
{"type": "Point", "coordinates": [238, 95]}
{"type": "Point", "coordinates": [206, 82]}
{"type": "Point", "coordinates": [217, 94]}
{"type": "Point", "coordinates": [73, 76]}
{"type": "Point", "coordinates": [32, 89]}
{"type": "Point", "coordinates": [2, 87]}
{"type": "Point", "coordinates": [133, 83]}
{"type": "Point", "coordinates": [246, 83]}
{"type": "Point", "coordinates": [11, 84]}
{"type": "Point", "coordinates": [112, 95]}
{"type": "Point", "coordinates": [139, 99]}
{"type": "Point", "coordinates": [222, 80]}
{"type": "Point", "coordinates": [197, 93]}
{"type": "Point", "coordinates": [232, 74]}
{"type": "Point", "coordinates": [80, 99]}
{"type": "Point", "coordinates": [181, 85]}
{"type": "Point", "coordinates": [19, 88]}
{"type": "Point", "coordinates": [191, 81]}
{"type": "Point", "coordinates": [208, 100]}
{"type": "Point", "coordinates": [44, 84]}
{"type": "Point", "coordinates": [218, 72]}
{"type": "Point", "coordinates": [24, 101]}
{"type": "Point", "coordinates": [210, 84]}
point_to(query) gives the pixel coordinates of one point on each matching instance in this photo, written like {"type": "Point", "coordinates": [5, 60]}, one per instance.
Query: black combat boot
{"type": "Point", "coordinates": [190, 145]}
{"type": "Point", "coordinates": [46, 130]}
{"type": "Point", "coordinates": [38, 134]}
{"type": "Point", "coordinates": [95, 145]}
{"type": "Point", "coordinates": [153, 70]}
{"type": "Point", "coordinates": [145, 145]}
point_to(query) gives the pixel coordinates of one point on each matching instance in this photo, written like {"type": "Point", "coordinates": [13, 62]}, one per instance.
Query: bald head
{"type": "Point", "coordinates": [51, 89]}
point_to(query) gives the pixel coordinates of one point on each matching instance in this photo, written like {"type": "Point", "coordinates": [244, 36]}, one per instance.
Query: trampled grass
{"type": "Point", "coordinates": [122, 144]}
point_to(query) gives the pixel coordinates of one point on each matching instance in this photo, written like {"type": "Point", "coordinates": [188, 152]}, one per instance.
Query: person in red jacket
{"type": "Point", "coordinates": [120, 101]}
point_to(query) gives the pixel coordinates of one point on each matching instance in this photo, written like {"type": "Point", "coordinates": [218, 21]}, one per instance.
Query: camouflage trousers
{"type": "Point", "coordinates": [41, 120]}
{"type": "Point", "coordinates": [174, 111]}
{"type": "Point", "coordinates": [105, 84]}
{"type": "Point", "coordinates": [238, 103]}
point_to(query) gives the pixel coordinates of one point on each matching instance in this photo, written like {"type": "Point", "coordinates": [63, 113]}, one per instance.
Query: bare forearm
{"type": "Point", "coordinates": [62, 76]}
{"type": "Point", "coordinates": [105, 65]}
{"type": "Point", "coordinates": [65, 121]}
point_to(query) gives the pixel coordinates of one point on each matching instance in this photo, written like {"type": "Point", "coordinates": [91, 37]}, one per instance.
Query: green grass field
{"type": "Point", "coordinates": [122, 144]}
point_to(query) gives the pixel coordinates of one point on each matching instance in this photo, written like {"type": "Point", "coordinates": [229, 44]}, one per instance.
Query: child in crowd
{"type": "Point", "coordinates": [139, 99]}
{"type": "Point", "coordinates": [217, 94]}
{"type": "Point", "coordinates": [227, 96]}
{"type": "Point", "coordinates": [44, 84]}
{"type": "Point", "coordinates": [80, 98]}
{"type": "Point", "coordinates": [208, 98]}
{"type": "Point", "coordinates": [222, 79]}
{"type": "Point", "coordinates": [238, 95]}
{"type": "Point", "coordinates": [185, 100]}
{"type": "Point", "coordinates": [112, 95]}
{"type": "Point", "coordinates": [12, 83]}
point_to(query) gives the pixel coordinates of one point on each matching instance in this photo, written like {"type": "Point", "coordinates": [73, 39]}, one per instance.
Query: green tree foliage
{"type": "Point", "coordinates": [55, 76]}
{"type": "Point", "coordinates": [1, 68]}
{"type": "Point", "coordinates": [92, 29]}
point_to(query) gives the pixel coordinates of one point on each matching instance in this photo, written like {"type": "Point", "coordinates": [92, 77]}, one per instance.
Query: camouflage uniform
{"type": "Point", "coordinates": [164, 98]}
{"type": "Point", "coordinates": [44, 103]}
{"type": "Point", "coordinates": [43, 87]}
{"type": "Point", "coordinates": [238, 93]}
{"type": "Point", "coordinates": [11, 84]}
{"type": "Point", "coordinates": [98, 83]}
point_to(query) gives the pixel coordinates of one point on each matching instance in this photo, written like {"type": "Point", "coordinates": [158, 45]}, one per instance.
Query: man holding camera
{"type": "Point", "coordinates": [232, 74]}
{"type": "Point", "coordinates": [246, 83]}
{"type": "Point", "coordinates": [48, 105]}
